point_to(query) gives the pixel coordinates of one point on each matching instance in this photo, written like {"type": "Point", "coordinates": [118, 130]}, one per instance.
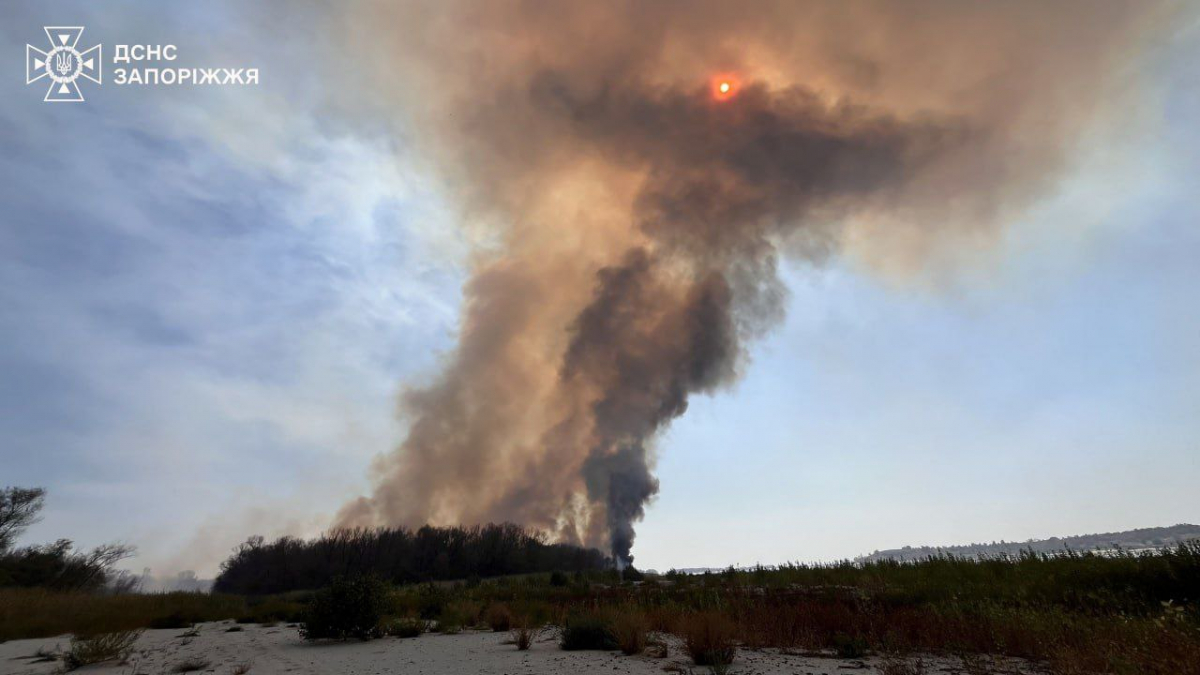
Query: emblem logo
{"type": "Point", "coordinates": [63, 64]}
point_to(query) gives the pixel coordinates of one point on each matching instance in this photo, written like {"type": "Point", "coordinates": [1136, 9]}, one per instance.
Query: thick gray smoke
{"type": "Point", "coordinates": [633, 210]}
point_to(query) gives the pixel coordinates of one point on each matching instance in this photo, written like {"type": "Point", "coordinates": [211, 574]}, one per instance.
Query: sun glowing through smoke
{"type": "Point", "coordinates": [724, 87]}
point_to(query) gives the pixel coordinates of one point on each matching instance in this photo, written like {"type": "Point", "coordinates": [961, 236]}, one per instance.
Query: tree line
{"type": "Point", "coordinates": [57, 566]}
{"type": "Point", "coordinates": [399, 555]}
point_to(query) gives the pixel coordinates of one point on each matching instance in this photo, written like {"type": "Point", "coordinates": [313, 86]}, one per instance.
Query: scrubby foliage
{"type": "Point", "coordinates": [19, 508]}
{"type": "Point", "coordinates": [710, 638]}
{"type": "Point", "coordinates": [397, 555]}
{"type": "Point", "coordinates": [1067, 614]}
{"type": "Point", "coordinates": [350, 607]}
{"type": "Point", "coordinates": [58, 565]}
{"type": "Point", "coordinates": [589, 629]}
{"type": "Point", "coordinates": [402, 628]}
{"type": "Point", "coordinates": [85, 651]}
{"type": "Point", "coordinates": [499, 618]}
{"type": "Point", "coordinates": [632, 631]}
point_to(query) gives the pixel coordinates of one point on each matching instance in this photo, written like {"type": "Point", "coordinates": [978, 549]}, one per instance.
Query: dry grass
{"type": "Point", "coordinates": [523, 635]}
{"type": "Point", "coordinates": [402, 628]}
{"type": "Point", "coordinates": [32, 612]}
{"type": "Point", "coordinates": [499, 618]}
{"type": "Point", "coordinates": [710, 639]}
{"type": "Point", "coordinates": [631, 630]}
{"type": "Point", "coordinates": [100, 648]}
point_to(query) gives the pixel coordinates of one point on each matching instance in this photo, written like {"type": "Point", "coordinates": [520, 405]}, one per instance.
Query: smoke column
{"type": "Point", "coordinates": [630, 214]}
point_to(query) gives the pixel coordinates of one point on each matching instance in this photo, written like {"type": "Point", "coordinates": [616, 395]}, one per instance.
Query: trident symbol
{"type": "Point", "coordinates": [63, 63]}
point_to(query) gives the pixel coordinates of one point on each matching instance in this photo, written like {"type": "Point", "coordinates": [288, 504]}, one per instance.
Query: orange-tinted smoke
{"type": "Point", "coordinates": [631, 212]}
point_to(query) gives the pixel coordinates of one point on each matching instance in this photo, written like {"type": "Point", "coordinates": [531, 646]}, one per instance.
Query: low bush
{"type": "Point", "coordinates": [454, 617]}
{"type": "Point", "coordinates": [100, 648]}
{"type": "Point", "coordinates": [849, 647]}
{"type": "Point", "coordinates": [351, 607]}
{"type": "Point", "coordinates": [710, 639]}
{"type": "Point", "coordinates": [499, 618]}
{"type": "Point", "coordinates": [523, 635]}
{"type": "Point", "coordinates": [588, 629]}
{"type": "Point", "coordinates": [401, 628]}
{"type": "Point", "coordinates": [631, 631]}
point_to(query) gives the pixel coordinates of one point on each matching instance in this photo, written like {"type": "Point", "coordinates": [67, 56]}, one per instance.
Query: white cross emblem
{"type": "Point", "coordinates": [63, 64]}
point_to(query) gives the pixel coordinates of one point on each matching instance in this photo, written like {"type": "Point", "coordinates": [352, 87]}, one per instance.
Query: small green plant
{"type": "Point", "coordinates": [99, 648]}
{"type": "Point", "coordinates": [351, 607]}
{"type": "Point", "coordinates": [588, 629]}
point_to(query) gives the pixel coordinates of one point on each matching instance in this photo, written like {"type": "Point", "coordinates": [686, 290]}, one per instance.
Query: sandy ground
{"type": "Point", "coordinates": [279, 649]}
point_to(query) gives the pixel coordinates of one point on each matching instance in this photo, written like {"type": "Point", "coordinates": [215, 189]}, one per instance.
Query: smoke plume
{"type": "Point", "coordinates": [631, 214]}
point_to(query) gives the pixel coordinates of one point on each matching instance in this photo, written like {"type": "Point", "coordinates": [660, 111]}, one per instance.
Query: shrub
{"type": "Point", "coordinates": [589, 629]}
{"type": "Point", "coordinates": [454, 617]}
{"type": "Point", "coordinates": [630, 629]}
{"type": "Point", "coordinates": [100, 648]}
{"type": "Point", "coordinates": [499, 618]}
{"type": "Point", "coordinates": [558, 578]}
{"type": "Point", "coordinates": [431, 600]}
{"type": "Point", "coordinates": [849, 647]}
{"type": "Point", "coordinates": [708, 638]}
{"type": "Point", "coordinates": [523, 635]}
{"type": "Point", "coordinates": [402, 628]}
{"type": "Point", "coordinates": [351, 607]}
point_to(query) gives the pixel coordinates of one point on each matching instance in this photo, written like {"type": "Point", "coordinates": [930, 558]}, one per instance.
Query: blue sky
{"type": "Point", "coordinates": [209, 299]}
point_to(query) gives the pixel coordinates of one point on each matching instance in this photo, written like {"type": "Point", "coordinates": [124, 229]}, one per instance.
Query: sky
{"type": "Point", "coordinates": [211, 298]}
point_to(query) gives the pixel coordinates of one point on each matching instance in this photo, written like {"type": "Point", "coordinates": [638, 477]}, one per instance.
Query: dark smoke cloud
{"type": "Point", "coordinates": [634, 222]}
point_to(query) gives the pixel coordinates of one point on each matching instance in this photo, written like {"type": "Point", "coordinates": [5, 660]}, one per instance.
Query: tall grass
{"type": "Point", "coordinates": [1069, 614]}
{"type": "Point", "coordinates": [31, 612]}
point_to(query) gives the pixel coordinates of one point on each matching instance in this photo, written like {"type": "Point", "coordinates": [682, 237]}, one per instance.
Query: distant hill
{"type": "Point", "coordinates": [1130, 540]}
